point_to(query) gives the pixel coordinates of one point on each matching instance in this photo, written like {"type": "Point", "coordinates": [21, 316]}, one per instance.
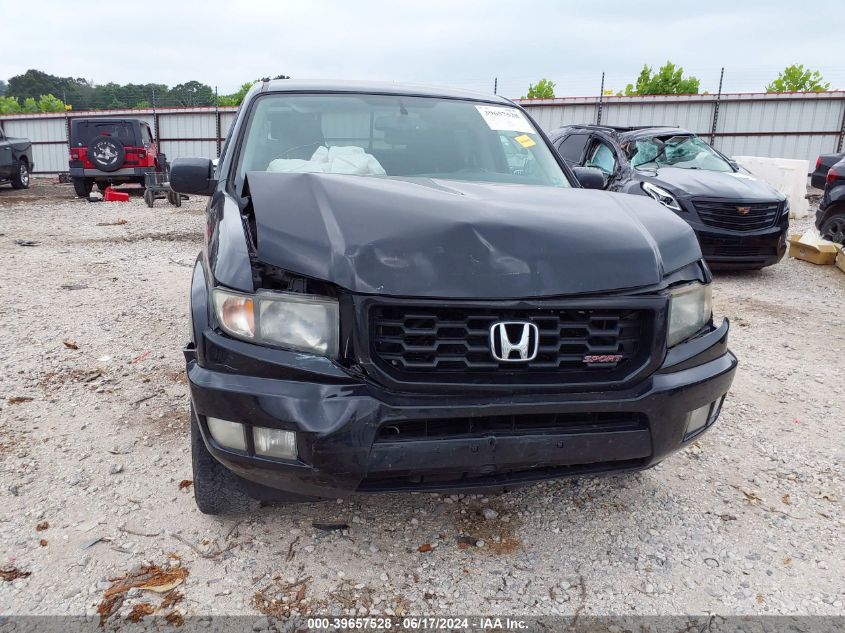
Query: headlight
{"type": "Point", "coordinates": [690, 309]}
{"type": "Point", "coordinates": [286, 319]}
{"type": "Point", "coordinates": [785, 211]}
{"type": "Point", "coordinates": [662, 196]}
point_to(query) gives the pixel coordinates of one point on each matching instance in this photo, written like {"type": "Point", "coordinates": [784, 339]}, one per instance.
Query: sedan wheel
{"type": "Point", "coordinates": [833, 228]}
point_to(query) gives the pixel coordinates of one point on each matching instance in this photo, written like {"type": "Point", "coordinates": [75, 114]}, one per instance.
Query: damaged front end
{"type": "Point", "coordinates": [405, 397]}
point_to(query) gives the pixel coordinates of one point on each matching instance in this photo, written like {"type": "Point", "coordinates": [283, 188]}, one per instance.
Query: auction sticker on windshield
{"type": "Point", "coordinates": [507, 119]}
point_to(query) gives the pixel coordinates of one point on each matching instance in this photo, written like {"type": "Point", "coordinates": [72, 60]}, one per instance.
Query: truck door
{"type": "Point", "coordinates": [6, 158]}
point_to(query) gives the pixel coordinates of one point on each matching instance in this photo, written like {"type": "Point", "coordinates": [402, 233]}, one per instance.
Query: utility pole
{"type": "Point", "coordinates": [67, 120]}
{"type": "Point", "coordinates": [716, 108]}
{"type": "Point", "coordinates": [217, 120]}
{"type": "Point", "coordinates": [155, 120]}
{"type": "Point", "coordinates": [495, 85]}
{"type": "Point", "coordinates": [601, 101]}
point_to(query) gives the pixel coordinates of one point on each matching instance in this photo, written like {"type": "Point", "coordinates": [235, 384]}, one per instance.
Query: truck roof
{"type": "Point", "coordinates": [376, 87]}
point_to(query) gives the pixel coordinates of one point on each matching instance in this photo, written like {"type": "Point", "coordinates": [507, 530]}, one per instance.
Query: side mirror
{"type": "Point", "coordinates": [590, 177]}
{"type": "Point", "coordinates": [193, 176]}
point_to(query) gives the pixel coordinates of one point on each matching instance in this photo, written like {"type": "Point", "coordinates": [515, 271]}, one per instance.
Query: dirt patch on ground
{"type": "Point", "coordinates": [66, 376]}
{"type": "Point", "coordinates": [170, 236]}
{"type": "Point", "coordinates": [281, 599]}
{"type": "Point", "coordinates": [488, 528]}
{"type": "Point", "coordinates": [763, 307]}
{"type": "Point", "coordinates": [39, 191]}
{"type": "Point", "coordinates": [171, 421]}
{"type": "Point", "coordinates": [178, 376]}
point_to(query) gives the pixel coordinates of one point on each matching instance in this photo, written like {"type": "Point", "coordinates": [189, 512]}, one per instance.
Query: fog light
{"type": "Point", "coordinates": [274, 442]}
{"type": "Point", "coordinates": [228, 434]}
{"type": "Point", "coordinates": [698, 419]}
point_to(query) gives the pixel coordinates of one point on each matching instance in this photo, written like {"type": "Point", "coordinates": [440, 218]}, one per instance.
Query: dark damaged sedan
{"type": "Point", "coordinates": [741, 222]}
{"type": "Point", "coordinates": [405, 289]}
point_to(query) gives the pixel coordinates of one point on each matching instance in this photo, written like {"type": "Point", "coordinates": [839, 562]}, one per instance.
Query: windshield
{"type": "Point", "coordinates": [686, 152]}
{"type": "Point", "coordinates": [385, 135]}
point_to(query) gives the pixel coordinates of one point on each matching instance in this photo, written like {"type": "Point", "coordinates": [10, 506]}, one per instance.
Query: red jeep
{"type": "Point", "coordinates": [111, 151]}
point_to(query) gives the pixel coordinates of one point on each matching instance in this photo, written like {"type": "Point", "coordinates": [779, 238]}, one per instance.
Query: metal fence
{"type": "Point", "coordinates": [797, 125]}
{"type": "Point", "coordinates": [198, 131]}
{"type": "Point", "coordinates": [783, 125]}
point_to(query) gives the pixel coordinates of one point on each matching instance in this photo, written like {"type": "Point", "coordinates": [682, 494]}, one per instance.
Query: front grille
{"type": "Point", "coordinates": [531, 424]}
{"type": "Point", "coordinates": [715, 248]}
{"type": "Point", "coordinates": [448, 344]}
{"type": "Point", "coordinates": [725, 214]}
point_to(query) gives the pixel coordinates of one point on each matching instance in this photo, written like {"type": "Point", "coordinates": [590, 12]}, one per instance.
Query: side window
{"type": "Point", "coordinates": [571, 149]}
{"type": "Point", "coordinates": [146, 136]}
{"type": "Point", "coordinates": [602, 157]}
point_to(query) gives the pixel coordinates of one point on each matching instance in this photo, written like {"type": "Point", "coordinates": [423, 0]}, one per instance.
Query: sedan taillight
{"type": "Point", "coordinates": [831, 176]}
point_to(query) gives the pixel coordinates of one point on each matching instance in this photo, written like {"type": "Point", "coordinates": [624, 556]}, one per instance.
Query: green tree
{"type": "Point", "coordinates": [236, 98]}
{"type": "Point", "coordinates": [796, 78]}
{"type": "Point", "coordinates": [9, 105]}
{"type": "Point", "coordinates": [191, 93]}
{"type": "Point", "coordinates": [50, 103]}
{"type": "Point", "coordinates": [668, 80]}
{"type": "Point", "coordinates": [544, 89]}
{"type": "Point", "coordinates": [30, 105]}
{"type": "Point", "coordinates": [34, 83]}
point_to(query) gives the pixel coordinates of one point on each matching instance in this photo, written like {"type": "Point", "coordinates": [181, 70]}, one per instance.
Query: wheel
{"type": "Point", "coordinates": [833, 228]}
{"type": "Point", "coordinates": [20, 178]}
{"type": "Point", "coordinates": [107, 153]}
{"type": "Point", "coordinates": [82, 186]}
{"type": "Point", "coordinates": [216, 489]}
{"type": "Point", "coordinates": [149, 198]}
{"type": "Point", "coordinates": [102, 186]}
{"type": "Point", "coordinates": [174, 198]}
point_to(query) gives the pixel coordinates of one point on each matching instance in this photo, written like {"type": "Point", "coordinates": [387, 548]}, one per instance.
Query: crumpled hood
{"type": "Point", "coordinates": [442, 238]}
{"type": "Point", "coordinates": [692, 183]}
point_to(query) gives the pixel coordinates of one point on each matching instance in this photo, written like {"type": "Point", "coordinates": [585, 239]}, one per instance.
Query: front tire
{"type": "Point", "coordinates": [20, 178]}
{"type": "Point", "coordinates": [82, 186]}
{"type": "Point", "coordinates": [216, 489]}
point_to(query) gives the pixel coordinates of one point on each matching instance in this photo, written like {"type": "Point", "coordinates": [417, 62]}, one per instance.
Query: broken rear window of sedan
{"type": "Point", "coordinates": [398, 136]}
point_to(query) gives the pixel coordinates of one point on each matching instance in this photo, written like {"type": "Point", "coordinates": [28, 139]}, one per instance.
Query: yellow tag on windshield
{"type": "Point", "coordinates": [525, 141]}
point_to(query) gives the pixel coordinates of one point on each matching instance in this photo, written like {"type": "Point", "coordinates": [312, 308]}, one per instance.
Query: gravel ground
{"type": "Point", "coordinates": [94, 453]}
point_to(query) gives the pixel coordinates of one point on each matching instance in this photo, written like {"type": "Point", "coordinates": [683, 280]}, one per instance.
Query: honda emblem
{"type": "Point", "coordinates": [514, 341]}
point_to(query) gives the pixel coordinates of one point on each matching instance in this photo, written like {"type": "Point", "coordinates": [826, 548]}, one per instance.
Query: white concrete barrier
{"type": "Point", "coordinates": [789, 176]}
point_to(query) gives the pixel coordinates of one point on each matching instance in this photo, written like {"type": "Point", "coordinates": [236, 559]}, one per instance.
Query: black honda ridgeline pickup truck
{"type": "Point", "coordinates": [407, 289]}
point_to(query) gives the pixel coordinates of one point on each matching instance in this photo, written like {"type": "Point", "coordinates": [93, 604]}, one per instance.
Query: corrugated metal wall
{"type": "Point", "coordinates": [774, 125]}
{"type": "Point", "coordinates": [181, 132]}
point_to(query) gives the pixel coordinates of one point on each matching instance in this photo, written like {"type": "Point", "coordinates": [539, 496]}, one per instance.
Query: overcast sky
{"type": "Point", "coordinates": [227, 43]}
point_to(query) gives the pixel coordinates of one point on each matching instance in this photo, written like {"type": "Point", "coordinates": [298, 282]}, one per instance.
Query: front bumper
{"type": "Point", "coordinates": [732, 250]}
{"type": "Point", "coordinates": [337, 417]}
